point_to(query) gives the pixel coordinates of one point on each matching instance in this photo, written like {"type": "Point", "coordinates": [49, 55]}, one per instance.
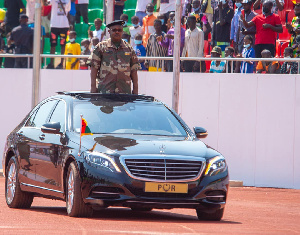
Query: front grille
{"type": "Point", "coordinates": [163, 169]}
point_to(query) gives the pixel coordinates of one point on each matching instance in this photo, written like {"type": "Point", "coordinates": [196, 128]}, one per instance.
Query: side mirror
{"type": "Point", "coordinates": [200, 132]}
{"type": "Point", "coordinates": [51, 128]}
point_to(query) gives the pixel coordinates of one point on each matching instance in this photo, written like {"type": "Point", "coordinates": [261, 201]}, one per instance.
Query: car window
{"type": "Point", "coordinates": [30, 120]}
{"type": "Point", "coordinates": [59, 115]}
{"type": "Point", "coordinates": [145, 118]}
{"type": "Point", "coordinates": [43, 113]}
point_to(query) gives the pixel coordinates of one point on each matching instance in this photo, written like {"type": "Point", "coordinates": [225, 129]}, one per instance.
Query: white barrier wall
{"type": "Point", "coordinates": [253, 120]}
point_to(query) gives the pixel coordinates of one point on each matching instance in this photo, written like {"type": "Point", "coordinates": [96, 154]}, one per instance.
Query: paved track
{"type": "Point", "coordinates": [248, 211]}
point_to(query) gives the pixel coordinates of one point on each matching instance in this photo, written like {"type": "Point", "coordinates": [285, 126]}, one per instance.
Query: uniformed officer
{"type": "Point", "coordinates": [114, 64]}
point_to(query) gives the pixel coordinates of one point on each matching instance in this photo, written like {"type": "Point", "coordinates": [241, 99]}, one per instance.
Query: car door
{"type": "Point", "coordinates": [28, 139]}
{"type": "Point", "coordinates": [48, 170]}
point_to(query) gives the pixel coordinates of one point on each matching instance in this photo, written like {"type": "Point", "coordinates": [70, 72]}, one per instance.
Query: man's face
{"type": "Point", "coordinates": [286, 53]}
{"type": "Point", "coordinates": [98, 24]}
{"type": "Point", "coordinates": [297, 11]}
{"type": "Point", "coordinates": [246, 6]}
{"type": "Point", "coordinates": [191, 23]}
{"type": "Point", "coordinates": [135, 21]}
{"type": "Point", "coordinates": [72, 35]}
{"type": "Point", "coordinates": [95, 41]}
{"type": "Point", "coordinates": [227, 52]}
{"type": "Point", "coordinates": [124, 18]}
{"type": "Point", "coordinates": [172, 16]}
{"type": "Point", "coordinates": [267, 7]}
{"type": "Point", "coordinates": [196, 4]}
{"type": "Point", "coordinates": [150, 8]}
{"type": "Point", "coordinates": [157, 26]}
{"type": "Point", "coordinates": [215, 54]}
{"type": "Point", "coordinates": [116, 33]}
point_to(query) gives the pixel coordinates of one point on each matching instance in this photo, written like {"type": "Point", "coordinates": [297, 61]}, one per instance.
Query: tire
{"type": "Point", "coordinates": [216, 216]}
{"type": "Point", "coordinates": [74, 202]}
{"type": "Point", "coordinates": [141, 209]}
{"type": "Point", "coordinates": [15, 197]}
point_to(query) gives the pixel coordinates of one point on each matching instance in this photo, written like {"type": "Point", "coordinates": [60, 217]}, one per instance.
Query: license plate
{"type": "Point", "coordinates": [165, 187]}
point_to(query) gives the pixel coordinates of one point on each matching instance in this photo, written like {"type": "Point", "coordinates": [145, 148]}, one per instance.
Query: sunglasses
{"type": "Point", "coordinates": [117, 30]}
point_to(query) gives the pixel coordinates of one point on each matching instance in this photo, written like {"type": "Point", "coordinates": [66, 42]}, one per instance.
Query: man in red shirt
{"type": "Point", "coordinates": [267, 25]}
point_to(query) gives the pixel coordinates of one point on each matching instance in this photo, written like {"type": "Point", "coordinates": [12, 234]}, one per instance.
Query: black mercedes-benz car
{"type": "Point", "coordinates": [140, 154]}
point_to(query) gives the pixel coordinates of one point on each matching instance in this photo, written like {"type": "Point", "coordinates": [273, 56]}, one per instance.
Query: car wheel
{"type": "Point", "coordinates": [216, 216]}
{"type": "Point", "coordinates": [141, 209]}
{"type": "Point", "coordinates": [15, 197]}
{"type": "Point", "coordinates": [74, 202]}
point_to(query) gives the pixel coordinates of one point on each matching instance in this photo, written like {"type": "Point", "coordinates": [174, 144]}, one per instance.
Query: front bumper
{"type": "Point", "coordinates": [104, 188]}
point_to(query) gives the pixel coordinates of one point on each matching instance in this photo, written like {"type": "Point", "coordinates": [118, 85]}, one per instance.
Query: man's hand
{"type": "Point", "coordinates": [159, 38]}
{"type": "Point", "coordinates": [73, 65]}
{"type": "Point", "coordinates": [266, 26]}
{"type": "Point", "coordinates": [170, 36]}
{"type": "Point", "coordinates": [242, 17]}
{"type": "Point", "coordinates": [289, 27]}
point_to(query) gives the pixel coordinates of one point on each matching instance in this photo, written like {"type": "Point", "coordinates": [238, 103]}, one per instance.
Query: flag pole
{"type": "Point", "coordinates": [79, 152]}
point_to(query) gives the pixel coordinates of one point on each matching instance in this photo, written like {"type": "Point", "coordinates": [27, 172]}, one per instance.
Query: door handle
{"type": "Point", "coordinates": [42, 137]}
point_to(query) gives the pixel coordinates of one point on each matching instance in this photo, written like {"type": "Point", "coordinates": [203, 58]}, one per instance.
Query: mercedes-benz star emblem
{"type": "Point", "coordinates": [162, 148]}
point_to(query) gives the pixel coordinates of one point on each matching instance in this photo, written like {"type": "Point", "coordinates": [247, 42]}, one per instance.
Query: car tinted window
{"type": "Point", "coordinates": [59, 115]}
{"type": "Point", "coordinates": [146, 118]}
{"type": "Point", "coordinates": [43, 113]}
{"type": "Point", "coordinates": [30, 120]}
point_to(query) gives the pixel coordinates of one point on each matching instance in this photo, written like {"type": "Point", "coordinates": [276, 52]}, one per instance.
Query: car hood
{"type": "Point", "coordinates": [143, 145]}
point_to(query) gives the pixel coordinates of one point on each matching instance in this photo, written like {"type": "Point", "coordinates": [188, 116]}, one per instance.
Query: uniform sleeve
{"type": "Point", "coordinates": [134, 61]}
{"type": "Point", "coordinates": [95, 58]}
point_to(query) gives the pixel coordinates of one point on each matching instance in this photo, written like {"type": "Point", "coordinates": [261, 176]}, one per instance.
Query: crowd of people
{"type": "Point", "coordinates": [219, 29]}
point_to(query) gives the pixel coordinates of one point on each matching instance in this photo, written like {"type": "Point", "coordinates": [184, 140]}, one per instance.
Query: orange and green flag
{"type": "Point", "coordinates": [85, 130]}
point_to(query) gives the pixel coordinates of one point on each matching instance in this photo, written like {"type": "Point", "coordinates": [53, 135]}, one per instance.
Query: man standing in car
{"type": "Point", "coordinates": [114, 64]}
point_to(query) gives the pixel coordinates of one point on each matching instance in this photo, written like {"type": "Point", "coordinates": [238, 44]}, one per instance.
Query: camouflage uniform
{"type": "Point", "coordinates": [114, 66]}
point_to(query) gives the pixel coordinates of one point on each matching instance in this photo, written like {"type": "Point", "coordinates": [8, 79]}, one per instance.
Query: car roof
{"type": "Point", "coordinates": [84, 95]}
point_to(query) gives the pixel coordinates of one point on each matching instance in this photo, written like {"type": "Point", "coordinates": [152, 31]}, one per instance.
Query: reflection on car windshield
{"type": "Point", "coordinates": [109, 117]}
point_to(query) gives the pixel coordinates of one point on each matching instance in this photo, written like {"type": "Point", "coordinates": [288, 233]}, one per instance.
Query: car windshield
{"type": "Point", "coordinates": [134, 117]}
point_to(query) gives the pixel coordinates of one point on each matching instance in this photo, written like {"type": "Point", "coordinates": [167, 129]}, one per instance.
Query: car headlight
{"type": "Point", "coordinates": [216, 165]}
{"type": "Point", "coordinates": [100, 160]}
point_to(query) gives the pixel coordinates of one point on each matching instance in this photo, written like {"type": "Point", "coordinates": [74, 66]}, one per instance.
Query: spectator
{"type": "Point", "coordinates": [267, 66]}
{"type": "Point", "coordinates": [9, 62]}
{"type": "Point", "coordinates": [154, 49]}
{"type": "Point", "coordinates": [193, 46]}
{"type": "Point", "coordinates": [202, 22]}
{"type": "Point", "coordinates": [126, 30]}
{"type": "Point", "coordinates": [95, 42]}
{"type": "Point", "coordinates": [13, 9]}
{"type": "Point", "coordinates": [234, 31]}
{"type": "Point", "coordinates": [45, 18]}
{"type": "Point", "coordinates": [82, 10]}
{"type": "Point", "coordinates": [148, 23]}
{"type": "Point", "coordinates": [119, 7]}
{"type": "Point", "coordinates": [98, 32]}
{"type": "Point", "coordinates": [267, 27]}
{"type": "Point", "coordinates": [59, 27]}
{"type": "Point", "coordinates": [140, 10]}
{"type": "Point", "coordinates": [217, 66]}
{"type": "Point", "coordinates": [248, 52]}
{"type": "Point", "coordinates": [240, 34]}
{"type": "Point", "coordinates": [277, 5]}
{"type": "Point", "coordinates": [22, 36]}
{"type": "Point", "coordinates": [289, 67]}
{"type": "Point", "coordinates": [229, 53]}
{"type": "Point", "coordinates": [164, 22]}
{"type": "Point", "coordinates": [294, 27]}
{"type": "Point", "coordinates": [72, 15]}
{"type": "Point", "coordinates": [72, 48]}
{"type": "Point", "coordinates": [168, 42]}
{"type": "Point", "coordinates": [222, 22]}
{"type": "Point", "coordinates": [140, 49]}
{"type": "Point", "coordinates": [85, 50]}
{"type": "Point", "coordinates": [135, 29]}
{"type": "Point", "coordinates": [296, 47]}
